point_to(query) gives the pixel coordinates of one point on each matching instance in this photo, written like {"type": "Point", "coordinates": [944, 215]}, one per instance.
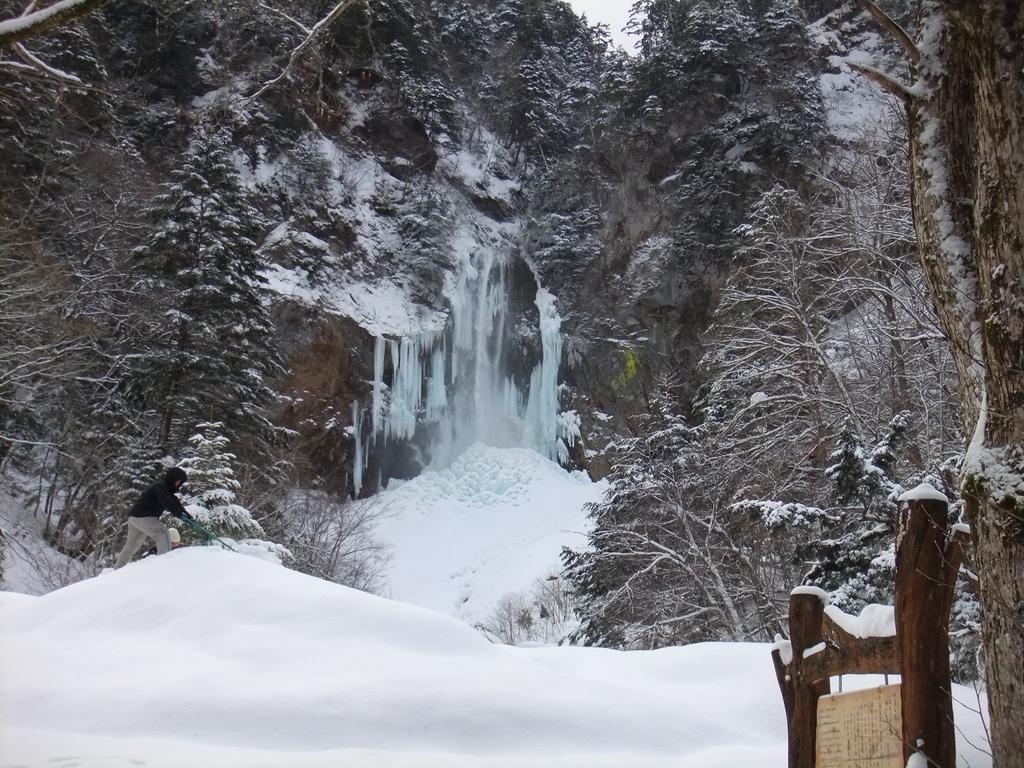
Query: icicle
{"type": "Point", "coordinates": [463, 320]}
{"type": "Point", "coordinates": [568, 434]}
{"type": "Point", "coordinates": [482, 326]}
{"type": "Point", "coordinates": [542, 406]}
{"type": "Point", "coordinates": [437, 394]}
{"type": "Point", "coordinates": [378, 385]}
{"type": "Point", "coordinates": [358, 464]}
{"type": "Point", "coordinates": [407, 387]}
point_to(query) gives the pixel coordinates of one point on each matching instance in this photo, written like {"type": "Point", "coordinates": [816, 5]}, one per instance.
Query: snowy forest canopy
{"type": "Point", "coordinates": [727, 230]}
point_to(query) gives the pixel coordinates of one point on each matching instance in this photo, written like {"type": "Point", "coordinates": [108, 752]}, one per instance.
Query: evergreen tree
{"type": "Point", "coordinates": [745, 71]}
{"type": "Point", "coordinates": [546, 81]}
{"type": "Point", "coordinates": [462, 30]}
{"type": "Point", "coordinates": [564, 218]}
{"type": "Point", "coordinates": [400, 38]}
{"type": "Point", "coordinates": [205, 345]}
{"type": "Point", "coordinates": [619, 583]}
{"type": "Point", "coordinates": [855, 561]}
{"type": "Point", "coordinates": [212, 487]}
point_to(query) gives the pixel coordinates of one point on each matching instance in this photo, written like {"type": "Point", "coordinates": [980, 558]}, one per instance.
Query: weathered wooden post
{"type": "Point", "coordinates": [910, 638]}
{"type": "Point", "coordinates": [928, 558]}
{"type": "Point", "coordinates": [801, 691]}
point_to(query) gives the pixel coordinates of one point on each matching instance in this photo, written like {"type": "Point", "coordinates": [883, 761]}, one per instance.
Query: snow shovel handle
{"type": "Point", "coordinates": [210, 535]}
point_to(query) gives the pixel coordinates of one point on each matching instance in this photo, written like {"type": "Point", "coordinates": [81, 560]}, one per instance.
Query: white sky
{"type": "Point", "coordinates": [614, 13]}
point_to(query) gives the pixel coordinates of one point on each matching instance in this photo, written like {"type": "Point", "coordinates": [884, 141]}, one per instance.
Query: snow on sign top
{"type": "Point", "coordinates": [923, 492]}
{"type": "Point", "coordinates": [818, 592]}
{"type": "Point", "coordinates": [873, 621]}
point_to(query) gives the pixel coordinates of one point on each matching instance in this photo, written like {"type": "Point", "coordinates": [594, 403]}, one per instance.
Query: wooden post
{"type": "Point", "coordinates": [927, 562]}
{"type": "Point", "coordinates": [781, 674]}
{"type": "Point", "coordinates": [806, 611]}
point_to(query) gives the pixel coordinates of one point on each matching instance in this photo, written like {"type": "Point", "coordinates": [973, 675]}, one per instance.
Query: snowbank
{"type": "Point", "coordinates": [204, 657]}
{"type": "Point", "coordinates": [490, 524]}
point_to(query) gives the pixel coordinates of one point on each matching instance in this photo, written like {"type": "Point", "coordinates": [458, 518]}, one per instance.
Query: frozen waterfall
{"type": "Point", "coordinates": [455, 385]}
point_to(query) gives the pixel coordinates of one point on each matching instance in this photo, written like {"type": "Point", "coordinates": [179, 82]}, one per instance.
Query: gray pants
{"type": "Point", "coordinates": [139, 529]}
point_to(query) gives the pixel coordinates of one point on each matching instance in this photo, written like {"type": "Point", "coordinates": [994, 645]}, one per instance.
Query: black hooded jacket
{"type": "Point", "coordinates": [160, 498]}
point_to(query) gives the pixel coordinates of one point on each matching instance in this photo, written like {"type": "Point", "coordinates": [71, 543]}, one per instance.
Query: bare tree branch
{"type": "Point", "coordinates": [317, 30]}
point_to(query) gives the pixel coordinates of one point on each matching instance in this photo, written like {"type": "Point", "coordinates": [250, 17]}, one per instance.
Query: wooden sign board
{"type": "Point", "coordinates": [860, 729]}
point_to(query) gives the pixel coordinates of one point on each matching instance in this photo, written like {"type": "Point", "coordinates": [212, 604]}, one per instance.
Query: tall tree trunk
{"type": "Point", "coordinates": [967, 150]}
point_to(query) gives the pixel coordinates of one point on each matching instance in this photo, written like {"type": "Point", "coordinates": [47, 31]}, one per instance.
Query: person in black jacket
{"type": "Point", "coordinates": [144, 517]}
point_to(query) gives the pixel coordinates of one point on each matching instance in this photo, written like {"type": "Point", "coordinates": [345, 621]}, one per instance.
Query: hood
{"type": "Point", "coordinates": [174, 474]}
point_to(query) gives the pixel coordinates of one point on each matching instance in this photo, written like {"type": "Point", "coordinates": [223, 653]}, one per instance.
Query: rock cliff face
{"type": "Point", "coordinates": [423, 143]}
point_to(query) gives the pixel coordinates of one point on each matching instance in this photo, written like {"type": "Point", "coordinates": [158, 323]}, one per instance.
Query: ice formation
{"type": "Point", "coordinates": [359, 458]}
{"type": "Point", "coordinates": [457, 384]}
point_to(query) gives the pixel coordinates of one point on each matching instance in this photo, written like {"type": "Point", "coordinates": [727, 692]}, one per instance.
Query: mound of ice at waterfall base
{"type": "Point", "coordinates": [490, 524]}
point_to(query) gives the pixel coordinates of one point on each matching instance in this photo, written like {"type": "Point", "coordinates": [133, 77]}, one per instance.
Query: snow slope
{"type": "Point", "coordinates": [490, 524]}
{"type": "Point", "coordinates": [203, 657]}
{"type": "Point", "coordinates": [27, 562]}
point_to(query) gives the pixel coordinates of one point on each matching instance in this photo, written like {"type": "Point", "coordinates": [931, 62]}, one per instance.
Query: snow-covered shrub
{"type": "Point", "coordinates": [264, 550]}
{"type": "Point", "coordinates": [210, 493]}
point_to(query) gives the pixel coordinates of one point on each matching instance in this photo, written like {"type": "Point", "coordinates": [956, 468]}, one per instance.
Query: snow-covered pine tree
{"type": "Point", "coordinates": [564, 220]}
{"type": "Point", "coordinates": [550, 65]}
{"type": "Point", "coordinates": [619, 583]}
{"type": "Point", "coordinates": [461, 29]}
{"type": "Point", "coordinates": [746, 72]}
{"type": "Point", "coordinates": [212, 488]}
{"type": "Point", "coordinates": [205, 346]}
{"type": "Point", "coordinates": [855, 561]}
{"type": "Point", "coordinates": [399, 38]}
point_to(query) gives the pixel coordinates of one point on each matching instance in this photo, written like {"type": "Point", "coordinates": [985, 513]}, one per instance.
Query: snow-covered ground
{"type": "Point", "coordinates": [492, 523]}
{"type": "Point", "coordinates": [206, 658]}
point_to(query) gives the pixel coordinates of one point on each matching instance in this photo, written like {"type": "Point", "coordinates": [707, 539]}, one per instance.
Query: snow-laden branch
{"type": "Point", "coordinates": [41, 66]}
{"type": "Point", "coordinates": [314, 33]}
{"type": "Point", "coordinates": [885, 82]}
{"type": "Point", "coordinates": [36, 22]}
{"type": "Point", "coordinates": [886, 22]}
{"type": "Point", "coordinates": [305, 30]}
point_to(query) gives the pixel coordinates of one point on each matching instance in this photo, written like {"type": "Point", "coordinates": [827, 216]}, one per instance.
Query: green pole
{"type": "Point", "coordinates": [210, 535]}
